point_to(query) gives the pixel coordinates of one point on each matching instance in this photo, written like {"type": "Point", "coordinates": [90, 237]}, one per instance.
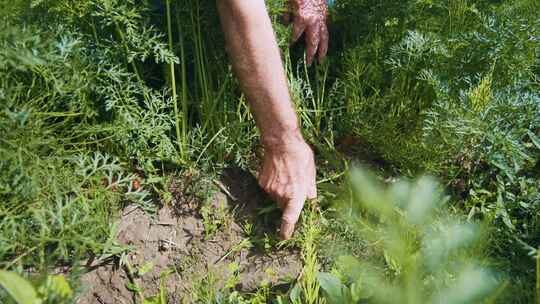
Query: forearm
{"type": "Point", "coordinates": [255, 57]}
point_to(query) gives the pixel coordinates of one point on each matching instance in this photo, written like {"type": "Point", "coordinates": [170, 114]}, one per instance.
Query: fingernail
{"type": "Point", "coordinates": [286, 230]}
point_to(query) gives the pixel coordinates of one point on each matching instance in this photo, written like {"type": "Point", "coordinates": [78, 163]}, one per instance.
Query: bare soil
{"type": "Point", "coordinates": [174, 242]}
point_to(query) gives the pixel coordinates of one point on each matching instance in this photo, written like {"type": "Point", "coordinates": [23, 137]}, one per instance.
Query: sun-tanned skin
{"type": "Point", "coordinates": [309, 18]}
{"type": "Point", "coordinates": [288, 167]}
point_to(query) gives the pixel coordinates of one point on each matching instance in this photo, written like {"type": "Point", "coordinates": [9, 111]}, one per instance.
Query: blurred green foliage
{"type": "Point", "coordinates": [428, 253]}
{"type": "Point", "coordinates": [49, 289]}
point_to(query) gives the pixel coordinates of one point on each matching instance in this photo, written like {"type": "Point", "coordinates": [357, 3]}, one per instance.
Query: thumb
{"type": "Point", "coordinates": [290, 216]}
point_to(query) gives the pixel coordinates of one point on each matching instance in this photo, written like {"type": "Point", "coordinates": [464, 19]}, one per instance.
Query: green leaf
{"type": "Point", "coordinates": [535, 140]}
{"type": "Point", "coordinates": [18, 288]}
{"type": "Point", "coordinates": [370, 192]}
{"type": "Point", "coordinates": [162, 290]}
{"type": "Point", "coordinates": [470, 285]}
{"type": "Point", "coordinates": [423, 202]}
{"type": "Point", "coordinates": [132, 287]}
{"type": "Point", "coordinates": [350, 267]}
{"type": "Point", "coordinates": [57, 284]}
{"type": "Point", "coordinates": [332, 286]}
{"type": "Point", "coordinates": [145, 268]}
{"type": "Point", "coordinates": [295, 294]}
{"type": "Point", "coordinates": [153, 300]}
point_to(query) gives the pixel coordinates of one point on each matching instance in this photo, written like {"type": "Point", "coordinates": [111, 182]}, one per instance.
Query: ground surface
{"type": "Point", "coordinates": [174, 241]}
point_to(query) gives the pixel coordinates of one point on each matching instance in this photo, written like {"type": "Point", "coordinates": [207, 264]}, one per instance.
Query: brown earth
{"type": "Point", "coordinates": [175, 243]}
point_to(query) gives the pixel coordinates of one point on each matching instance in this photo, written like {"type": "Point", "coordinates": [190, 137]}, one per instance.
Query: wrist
{"type": "Point", "coordinates": [282, 139]}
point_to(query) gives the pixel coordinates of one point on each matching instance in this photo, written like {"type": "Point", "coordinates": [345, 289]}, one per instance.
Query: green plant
{"type": "Point", "coordinates": [215, 217]}
{"type": "Point", "coordinates": [133, 286]}
{"type": "Point", "coordinates": [306, 289]}
{"type": "Point", "coordinates": [48, 289]}
{"type": "Point", "coordinates": [424, 255]}
{"type": "Point", "coordinates": [180, 135]}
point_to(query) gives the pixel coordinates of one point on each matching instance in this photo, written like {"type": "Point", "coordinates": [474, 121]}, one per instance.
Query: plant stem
{"type": "Point", "coordinates": [126, 50]}
{"type": "Point", "coordinates": [538, 276]}
{"type": "Point", "coordinates": [183, 74]}
{"type": "Point", "coordinates": [133, 64]}
{"type": "Point", "coordinates": [179, 136]}
{"type": "Point", "coordinates": [201, 70]}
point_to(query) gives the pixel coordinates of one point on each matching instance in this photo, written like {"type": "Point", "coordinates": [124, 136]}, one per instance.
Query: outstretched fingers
{"type": "Point", "coordinates": [312, 42]}
{"type": "Point", "coordinates": [310, 17]}
{"type": "Point", "coordinates": [323, 45]}
{"type": "Point", "coordinates": [299, 27]}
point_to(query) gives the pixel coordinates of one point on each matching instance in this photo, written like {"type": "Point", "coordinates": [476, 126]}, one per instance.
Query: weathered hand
{"type": "Point", "coordinates": [310, 16]}
{"type": "Point", "coordinates": [288, 176]}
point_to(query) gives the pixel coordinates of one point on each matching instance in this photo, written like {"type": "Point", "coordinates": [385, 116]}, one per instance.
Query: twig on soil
{"type": "Point", "coordinates": [225, 190]}
{"type": "Point", "coordinates": [164, 224]}
{"type": "Point", "coordinates": [130, 210]}
{"type": "Point", "coordinates": [244, 244]}
{"type": "Point", "coordinates": [223, 257]}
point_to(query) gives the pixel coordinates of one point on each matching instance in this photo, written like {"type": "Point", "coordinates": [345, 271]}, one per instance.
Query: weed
{"type": "Point", "coordinates": [215, 217]}
{"type": "Point", "coordinates": [242, 245]}
{"type": "Point", "coordinates": [135, 273]}
{"type": "Point", "coordinates": [307, 287]}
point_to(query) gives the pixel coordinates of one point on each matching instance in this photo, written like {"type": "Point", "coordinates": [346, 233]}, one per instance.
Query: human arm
{"type": "Point", "coordinates": [288, 168]}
